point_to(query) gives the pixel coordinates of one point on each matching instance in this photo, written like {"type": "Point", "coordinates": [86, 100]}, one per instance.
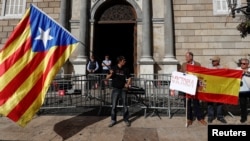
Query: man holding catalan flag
{"type": "Point", "coordinates": [30, 59]}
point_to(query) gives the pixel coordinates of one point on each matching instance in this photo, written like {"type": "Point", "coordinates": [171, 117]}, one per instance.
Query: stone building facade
{"type": "Point", "coordinates": [153, 35]}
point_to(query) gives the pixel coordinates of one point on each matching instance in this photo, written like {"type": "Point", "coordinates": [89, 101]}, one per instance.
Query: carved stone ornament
{"type": "Point", "coordinates": [94, 1]}
{"type": "Point", "coordinates": [118, 13]}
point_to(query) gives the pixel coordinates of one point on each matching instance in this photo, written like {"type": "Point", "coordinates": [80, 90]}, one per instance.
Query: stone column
{"type": "Point", "coordinates": [146, 60]}
{"type": "Point", "coordinates": [64, 14]}
{"type": "Point", "coordinates": [169, 60]}
{"type": "Point", "coordinates": [64, 21]}
{"type": "Point", "coordinates": [81, 60]}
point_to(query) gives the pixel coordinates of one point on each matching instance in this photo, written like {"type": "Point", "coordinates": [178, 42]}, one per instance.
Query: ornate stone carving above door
{"type": "Point", "coordinates": [118, 13]}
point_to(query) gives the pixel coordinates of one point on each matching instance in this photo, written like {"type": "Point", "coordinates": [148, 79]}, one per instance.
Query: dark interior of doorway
{"type": "Point", "coordinates": [114, 40]}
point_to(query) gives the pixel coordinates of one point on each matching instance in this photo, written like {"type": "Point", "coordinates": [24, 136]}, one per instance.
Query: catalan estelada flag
{"type": "Point", "coordinates": [30, 59]}
{"type": "Point", "coordinates": [217, 85]}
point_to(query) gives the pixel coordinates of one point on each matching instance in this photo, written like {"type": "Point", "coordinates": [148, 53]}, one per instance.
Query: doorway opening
{"type": "Point", "coordinates": [114, 33]}
{"type": "Point", "coordinates": [115, 40]}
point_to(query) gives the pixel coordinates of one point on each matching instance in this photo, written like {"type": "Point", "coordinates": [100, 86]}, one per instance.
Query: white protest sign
{"type": "Point", "coordinates": [183, 82]}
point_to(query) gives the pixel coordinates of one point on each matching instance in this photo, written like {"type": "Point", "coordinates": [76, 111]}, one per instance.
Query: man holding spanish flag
{"type": "Point", "coordinates": [217, 85]}
{"type": "Point", "coordinates": [213, 107]}
{"type": "Point", "coordinates": [194, 101]}
{"type": "Point", "coordinates": [214, 85]}
{"type": "Point", "coordinates": [244, 89]}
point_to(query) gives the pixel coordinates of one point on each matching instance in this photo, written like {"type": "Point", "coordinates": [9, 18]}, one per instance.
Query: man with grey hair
{"type": "Point", "coordinates": [192, 101]}
{"type": "Point", "coordinates": [244, 93]}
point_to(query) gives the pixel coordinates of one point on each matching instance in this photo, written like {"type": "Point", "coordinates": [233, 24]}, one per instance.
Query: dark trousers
{"type": "Point", "coordinates": [194, 104]}
{"type": "Point", "coordinates": [92, 80]}
{"type": "Point", "coordinates": [116, 94]}
{"type": "Point", "coordinates": [105, 71]}
{"type": "Point", "coordinates": [103, 77]}
{"type": "Point", "coordinates": [214, 107]}
{"type": "Point", "coordinates": [243, 96]}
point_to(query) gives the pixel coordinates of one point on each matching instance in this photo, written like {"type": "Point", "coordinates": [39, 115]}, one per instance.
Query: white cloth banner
{"type": "Point", "coordinates": [183, 82]}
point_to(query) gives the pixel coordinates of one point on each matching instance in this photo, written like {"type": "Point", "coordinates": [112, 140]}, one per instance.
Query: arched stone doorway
{"type": "Point", "coordinates": [114, 32]}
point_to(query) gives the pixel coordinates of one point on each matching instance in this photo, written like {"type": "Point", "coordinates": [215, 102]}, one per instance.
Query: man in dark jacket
{"type": "Point", "coordinates": [196, 103]}
{"type": "Point", "coordinates": [92, 66]}
{"type": "Point", "coordinates": [121, 80]}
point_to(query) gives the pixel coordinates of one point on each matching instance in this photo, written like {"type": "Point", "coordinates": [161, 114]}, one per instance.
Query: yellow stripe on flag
{"type": "Point", "coordinates": [14, 69]}
{"type": "Point", "coordinates": [218, 85]}
{"type": "Point", "coordinates": [8, 51]}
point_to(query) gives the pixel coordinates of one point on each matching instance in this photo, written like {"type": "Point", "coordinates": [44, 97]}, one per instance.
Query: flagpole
{"type": "Point", "coordinates": [186, 112]}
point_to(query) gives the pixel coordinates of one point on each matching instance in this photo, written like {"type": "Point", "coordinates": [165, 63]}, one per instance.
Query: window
{"type": "Point", "coordinates": [220, 7]}
{"type": "Point", "coordinates": [13, 8]}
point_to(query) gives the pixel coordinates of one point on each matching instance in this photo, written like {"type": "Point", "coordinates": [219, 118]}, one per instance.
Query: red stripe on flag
{"type": "Point", "coordinates": [17, 31]}
{"type": "Point", "coordinates": [232, 73]}
{"type": "Point", "coordinates": [221, 98]}
{"type": "Point", "coordinates": [15, 56]}
{"type": "Point", "coordinates": [29, 98]}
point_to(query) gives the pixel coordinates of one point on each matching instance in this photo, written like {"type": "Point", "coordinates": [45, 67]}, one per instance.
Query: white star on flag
{"type": "Point", "coordinates": [44, 36]}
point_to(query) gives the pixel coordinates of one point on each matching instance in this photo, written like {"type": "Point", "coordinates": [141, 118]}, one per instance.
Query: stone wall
{"type": "Point", "coordinates": [51, 7]}
{"type": "Point", "coordinates": [206, 35]}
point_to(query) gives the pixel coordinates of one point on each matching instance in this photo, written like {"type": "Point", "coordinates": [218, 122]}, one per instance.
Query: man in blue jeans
{"type": "Point", "coordinates": [121, 80]}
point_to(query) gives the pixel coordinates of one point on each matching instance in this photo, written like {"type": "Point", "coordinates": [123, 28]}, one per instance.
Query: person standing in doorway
{"type": "Point", "coordinates": [192, 101]}
{"type": "Point", "coordinates": [92, 66]}
{"type": "Point", "coordinates": [106, 65]}
{"type": "Point", "coordinates": [211, 106]}
{"type": "Point", "coordinates": [121, 81]}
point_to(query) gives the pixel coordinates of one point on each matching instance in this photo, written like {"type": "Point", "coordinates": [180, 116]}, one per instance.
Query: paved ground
{"type": "Point", "coordinates": [84, 127]}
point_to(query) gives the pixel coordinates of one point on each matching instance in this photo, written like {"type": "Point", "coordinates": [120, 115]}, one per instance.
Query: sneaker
{"type": "Point", "coordinates": [243, 120]}
{"type": "Point", "coordinates": [112, 123]}
{"type": "Point", "coordinates": [127, 123]}
{"type": "Point", "coordinates": [203, 122]}
{"type": "Point", "coordinates": [222, 120]}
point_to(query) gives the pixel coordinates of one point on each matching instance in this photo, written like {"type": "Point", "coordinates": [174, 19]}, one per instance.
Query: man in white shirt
{"type": "Point", "coordinates": [244, 93]}
{"type": "Point", "coordinates": [106, 64]}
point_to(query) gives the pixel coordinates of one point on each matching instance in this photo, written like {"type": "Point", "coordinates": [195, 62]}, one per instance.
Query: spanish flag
{"type": "Point", "coordinates": [30, 59]}
{"type": "Point", "coordinates": [217, 85]}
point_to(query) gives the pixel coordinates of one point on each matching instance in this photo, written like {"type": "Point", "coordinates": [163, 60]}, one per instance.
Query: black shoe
{"type": "Point", "coordinates": [112, 123]}
{"type": "Point", "coordinates": [222, 120]}
{"type": "Point", "coordinates": [127, 123]}
{"type": "Point", "coordinates": [242, 120]}
{"type": "Point", "coordinates": [189, 122]}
